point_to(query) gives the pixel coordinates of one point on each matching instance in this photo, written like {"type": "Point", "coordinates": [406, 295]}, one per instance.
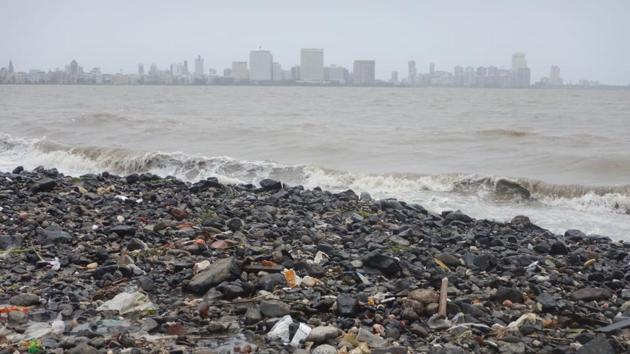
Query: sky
{"type": "Point", "coordinates": [587, 39]}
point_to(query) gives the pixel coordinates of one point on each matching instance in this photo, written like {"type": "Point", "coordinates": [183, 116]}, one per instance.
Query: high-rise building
{"type": "Point", "coordinates": [11, 69]}
{"type": "Point", "coordinates": [295, 73]}
{"type": "Point", "coordinates": [336, 74]}
{"type": "Point", "coordinates": [412, 73]}
{"type": "Point", "coordinates": [518, 61]}
{"type": "Point", "coordinates": [364, 72]}
{"type": "Point", "coordinates": [394, 78]}
{"type": "Point", "coordinates": [432, 69]}
{"type": "Point", "coordinates": [239, 71]}
{"type": "Point", "coordinates": [458, 75]}
{"type": "Point", "coordinates": [277, 73]}
{"type": "Point", "coordinates": [554, 76]}
{"type": "Point", "coordinates": [140, 70]}
{"type": "Point", "coordinates": [199, 66]}
{"type": "Point", "coordinates": [260, 65]}
{"type": "Point", "coordinates": [185, 72]}
{"type": "Point", "coordinates": [312, 65]}
{"type": "Point", "coordinates": [521, 75]}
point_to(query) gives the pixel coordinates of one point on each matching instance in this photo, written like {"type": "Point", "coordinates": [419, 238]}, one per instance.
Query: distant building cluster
{"type": "Point", "coordinates": [261, 69]}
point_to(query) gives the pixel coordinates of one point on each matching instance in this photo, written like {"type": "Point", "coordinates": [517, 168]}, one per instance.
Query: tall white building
{"type": "Point", "coordinates": [277, 73]}
{"type": "Point", "coordinates": [239, 71]}
{"type": "Point", "coordinates": [312, 65]}
{"type": "Point", "coordinates": [554, 76]}
{"type": "Point", "coordinates": [412, 74]}
{"type": "Point", "coordinates": [260, 65]}
{"type": "Point", "coordinates": [518, 61]}
{"type": "Point", "coordinates": [199, 66]}
{"type": "Point", "coordinates": [363, 72]}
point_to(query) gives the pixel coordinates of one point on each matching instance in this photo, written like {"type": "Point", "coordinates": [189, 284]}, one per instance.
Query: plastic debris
{"type": "Point", "coordinates": [34, 346]}
{"type": "Point", "coordinates": [128, 303]}
{"type": "Point", "coordinates": [438, 322]}
{"type": "Point", "coordinates": [301, 334]}
{"type": "Point", "coordinates": [198, 267]}
{"type": "Point", "coordinates": [291, 277]}
{"type": "Point", "coordinates": [7, 309]}
{"type": "Point", "coordinates": [281, 329]}
{"type": "Point", "coordinates": [319, 257]}
{"type": "Point", "coordinates": [441, 265]}
{"type": "Point", "coordinates": [37, 330]}
{"type": "Point", "coordinates": [55, 264]}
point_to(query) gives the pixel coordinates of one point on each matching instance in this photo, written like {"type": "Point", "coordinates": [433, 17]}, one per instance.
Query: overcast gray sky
{"type": "Point", "coordinates": [587, 39]}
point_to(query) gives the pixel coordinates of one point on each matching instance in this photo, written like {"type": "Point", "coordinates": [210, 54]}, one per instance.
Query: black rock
{"type": "Point", "coordinates": [457, 216]}
{"type": "Point", "coordinates": [54, 234]}
{"type": "Point", "coordinates": [548, 301]}
{"type": "Point", "coordinates": [17, 170]}
{"type": "Point", "coordinates": [599, 345]}
{"type": "Point", "coordinates": [10, 241]}
{"type": "Point", "coordinates": [122, 230]}
{"type": "Point", "coordinates": [270, 184]}
{"type": "Point", "coordinates": [574, 235]}
{"type": "Point", "coordinates": [511, 294]}
{"type": "Point", "coordinates": [132, 178]}
{"type": "Point", "coordinates": [558, 248]}
{"type": "Point", "coordinates": [274, 308]}
{"type": "Point", "coordinates": [24, 300]}
{"type": "Point", "coordinates": [235, 224]}
{"type": "Point", "coordinates": [270, 281]}
{"type": "Point", "coordinates": [219, 271]}
{"type": "Point", "coordinates": [589, 294]}
{"type": "Point", "coordinates": [43, 185]}
{"type": "Point", "coordinates": [389, 266]}
{"type": "Point", "coordinates": [347, 305]}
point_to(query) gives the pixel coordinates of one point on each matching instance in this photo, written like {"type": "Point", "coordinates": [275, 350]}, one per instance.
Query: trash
{"type": "Point", "coordinates": [302, 333]}
{"type": "Point", "coordinates": [438, 322]}
{"type": "Point", "coordinates": [291, 277]}
{"type": "Point", "coordinates": [319, 257]}
{"type": "Point", "coordinates": [55, 264]}
{"type": "Point", "coordinates": [443, 297]}
{"type": "Point", "coordinates": [310, 282]}
{"type": "Point", "coordinates": [198, 267]}
{"type": "Point", "coordinates": [363, 279]}
{"type": "Point", "coordinates": [58, 326]}
{"type": "Point", "coordinates": [441, 265]}
{"type": "Point", "coordinates": [37, 330]}
{"type": "Point", "coordinates": [128, 303]}
{"type": "Point", "coordinates": [281, 329]}
{"type": "Point", "coordinates": [34, 347]}
{"type": "Point", "coordinates": [7, 309]}
{"type": "Point", "coordinates": [515, 325]}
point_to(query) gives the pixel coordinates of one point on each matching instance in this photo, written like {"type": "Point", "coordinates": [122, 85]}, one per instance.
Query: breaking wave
{"type": "Point", "coordinates": [437, 191]}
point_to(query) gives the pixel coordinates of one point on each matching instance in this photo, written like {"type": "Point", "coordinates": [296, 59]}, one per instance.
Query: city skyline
{"type": "Point", "coordinates": [585, 39]}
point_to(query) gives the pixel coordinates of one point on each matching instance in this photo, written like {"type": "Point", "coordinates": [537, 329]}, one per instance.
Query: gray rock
{"type": "Point", "coordinates": [43, 185]}
{"type": "Point", "coordinates": [589, 294]}
{"type": "Point", "coordinates": [324, 349]}
{"type": "Point", "coordinates": [322, 334]}
{"type": "Point", "coordinates": [598, 345]}
{"type": "Point", "coordinates": [122, 230]}
{"type": "Point", "coordinates": [389, 350]}
{"type": "Point", "coordinates": [83, 348]}
{"type": "Point", "coordinates": [425, 296]}
{"type": "Point", "coordinates": [548, 301]}
{"type": "Point", "coordinates": [389, 266]}
{"type": "Point", "coordinates": [558, 248]}
{"type": "Point", "coordinates": [347, 305]}
{"type": "Point", "coordinates": [10, 241]}
{"type": "Point", "coordinates": [54, 234]}
{"type": "Point", "coordinates": [253, 315]}
{"type": "Point", "coordinates": [24, 300]}
{"type": "Point", "coordinates": [270, 184]}
{"type": "Point", "coordinates": [449, 259]}
{"type": "Point", "coordinates": [511, 294]}
{"type": "Point", "coordinates": [235, 224]}
{"type": "Point", "coordinates": [219, 271]}
{"type": "Point", "coordinates": [274, 308]}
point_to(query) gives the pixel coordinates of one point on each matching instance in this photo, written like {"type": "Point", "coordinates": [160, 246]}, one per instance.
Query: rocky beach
{"type": "Point", "coordinates": [144, 264]}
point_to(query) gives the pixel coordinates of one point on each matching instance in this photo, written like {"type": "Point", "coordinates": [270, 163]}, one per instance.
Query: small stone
{"type": "Point", "coordinates": [219, 271]}
{"type": "Point", "coordinates": [425, 296]}
{"type": "Point", "coordinates": [324, 349]}
{"type": "Point", "coordinates": [235, 224]}
{"type": "Point", "coordinates": [322, 334]}
{"type": "Point", "coordinates": [589, 294]}
{"type": "Point", "coordinates": [43, 185]}
{"type": "Point", "coordinates": [270, 184]}
{"type": "Point", "coordinates": [274, 308]}
{"type": "Point", "coordinates": [389, 266]}
{"type": "Point", "coordinates": [347, 305]}
{"type": "Point", "coordinates": [558, 248]}
{"type": "Point", "coordinates": [253, 316]}
{"type": "Point", "coordinates": [598, 345]}
{"type": "Point", "coordinates": [511, 294]}
{"type": "Point", "coordinates": [24, 300]}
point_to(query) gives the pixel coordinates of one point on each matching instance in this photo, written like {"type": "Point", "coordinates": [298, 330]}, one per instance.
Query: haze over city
{"type": "Point", "coordinates": [585, 39]}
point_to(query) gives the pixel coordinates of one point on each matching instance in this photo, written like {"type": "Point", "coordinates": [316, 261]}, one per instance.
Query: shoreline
{"type": "Point", "coordinates": [208, 265]}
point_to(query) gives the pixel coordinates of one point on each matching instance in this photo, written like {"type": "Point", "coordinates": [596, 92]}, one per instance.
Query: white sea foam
{"type": "Point", "coordinates": [601, 210]}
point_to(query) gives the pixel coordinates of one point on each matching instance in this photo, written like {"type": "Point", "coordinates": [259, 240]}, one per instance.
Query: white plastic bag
{"type": "Point", "coordinates": [128, 303]}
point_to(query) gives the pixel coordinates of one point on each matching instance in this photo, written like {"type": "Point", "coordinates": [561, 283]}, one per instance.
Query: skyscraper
{"type": "Point", "coordinates": [554, 76]}
{"type": "Point", "coordinates": [239, 71]}
{"type": "Point", "coordinates": [312, 65]}
{"type": "Point", "coordinates": [518, 61]}
{"type": "Point", "coordinates": [199, 66]}
{"type": "Point", "coordinates": [11, 69]}
{"type": "Point", "coordinates": [431, 69]}
{"type": "Point", "coordinates": [394, 78]}
{"type": "Point", "coordinates": [363, 72]}
{"type": "Point", "coordinates": [260, 65]}
{"type": "Point", "coordinates": [140, 70]}
{"type": "Point", "coordinates": [412, 73]}
{"type": "Point", "coordinates": [521, 75]}
{"type": "Point", "coordinates": [276, 72]}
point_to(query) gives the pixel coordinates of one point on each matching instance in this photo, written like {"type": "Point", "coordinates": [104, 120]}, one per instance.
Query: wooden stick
{"type": "Point", "coordinates": [443, 297]}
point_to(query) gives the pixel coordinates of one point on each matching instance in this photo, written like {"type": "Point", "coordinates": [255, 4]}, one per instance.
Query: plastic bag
{"type": "Point", "coordinates": [301, 334]}
{"type": "Point", "coordinates": [281, 329]}
{"type": "Point", "coordinates": [128, 303]}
